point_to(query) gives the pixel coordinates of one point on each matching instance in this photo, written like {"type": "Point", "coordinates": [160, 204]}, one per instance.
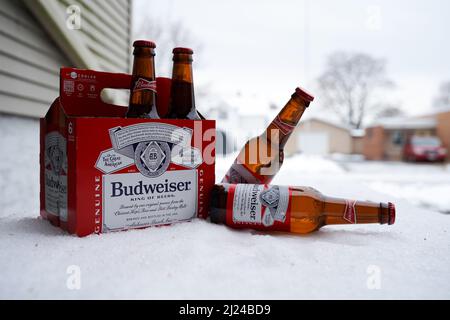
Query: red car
{"type": "Point", "coordinates": [424, 149]}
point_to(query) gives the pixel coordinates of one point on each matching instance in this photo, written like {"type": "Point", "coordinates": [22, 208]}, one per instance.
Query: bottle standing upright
{"type": "Point", "coordinates": [143, 86]}
{"type": "Point", "coordinates": [182, 99]}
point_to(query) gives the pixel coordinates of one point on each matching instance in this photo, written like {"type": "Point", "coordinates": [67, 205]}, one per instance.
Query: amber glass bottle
{"type": "Point", "coordinates": [261, 157]}
{"type": "Point", "coordinates": [291, 209]}
{"type": "Point", "coordinates": [182, 99]}
{"type": "Point", "coordinates": [143, 86]}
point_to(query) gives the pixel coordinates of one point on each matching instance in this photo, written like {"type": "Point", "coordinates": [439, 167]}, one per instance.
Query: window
{"type": "Point", "coordinates": [397, 138]}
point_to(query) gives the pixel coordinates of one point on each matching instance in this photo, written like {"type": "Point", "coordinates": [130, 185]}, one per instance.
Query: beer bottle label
{"type": "Point", "coordinates": [350, 211]}
{"type": "Point", "coordinates": [259, 206]}
{"type": "Point", "coordinates": [284, 127]}
{"type": "Point", "coordinates": [143, 84]}
{"type": "Point", "coordinates": [56, 175]}
{"type": "Point", "coordinates": [239, 173]}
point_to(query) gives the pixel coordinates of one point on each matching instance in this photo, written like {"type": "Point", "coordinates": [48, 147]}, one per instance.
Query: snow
{"type": "Point", "coordinates": [200, 260]}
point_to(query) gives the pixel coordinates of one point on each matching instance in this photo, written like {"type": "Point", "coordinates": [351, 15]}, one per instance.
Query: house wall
{"type": "Point", "coordinates": [394, 146]}
{"type": "Point", "coordinates": [340, 140]}
{"type": "Point", "coordinates": [394, 142]}
{"type": "Point", "coordinates": [105, 31]}
{"type": "Point", "coordinates": [383, 144]}
{"type": "Point", "coordinates": [30, 59]}
{"type": "Point", "coordinates": [374, 143]}
{"type": "Point", "coordinates": [357, 145]}
{"type": "Point", "coordinates": [443, 129]}
{"type": "Point", "coordinates": [29, 62]}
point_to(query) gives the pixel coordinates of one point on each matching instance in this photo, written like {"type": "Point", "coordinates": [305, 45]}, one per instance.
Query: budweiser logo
{"type": "Point", "coordinates": [350, 211]}
{"type": "Point", "coordinates": [119, 189]}
{"type": "Point", "coordinates": [283, 126]}
{"type": "Point", "coordinates": [143, 84]}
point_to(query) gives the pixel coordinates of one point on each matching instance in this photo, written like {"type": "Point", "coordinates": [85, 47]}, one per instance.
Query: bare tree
{"type": "Point", "coordinates": [389, 111]}
{"type": "Point", "coordinates": [167, 35]}
{"type": "Point", "coordinates": [443, 98]}
{"type": "Point", "coordinates": [349, 86]}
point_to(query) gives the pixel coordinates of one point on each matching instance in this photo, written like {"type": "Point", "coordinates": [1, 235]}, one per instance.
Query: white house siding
{"type": "Point", "coordinates": [29, 62]}
{"type": "Point", "coordinates": [31, 55]}
{"type": "Point", "coordinates": [105, 31]}
{"type": "Point", "coordinates": [333, 138]}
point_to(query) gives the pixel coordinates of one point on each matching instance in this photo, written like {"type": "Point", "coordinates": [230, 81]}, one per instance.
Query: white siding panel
{"type": "Point", "coordinates": [21, 106]}
{"type": "Point", "coordinates": [92, 25]}
{"type": "Point", "coordinates": [32, 56]}
{"type": "Point", "coordinates": [105, 17]}
{"type": "Point", "coordinates": [121, 6]}
{"type": "Point", "coordinates": [26, 89]}
{"type": "Point", "coordinates": [105, 52]}
{"type": "Point", "coordinates": [26, 36]}
{"type": "Point", "coordinates": [16, 10]}
{"type": "Point", "coordinates": [114, 16]}
{"type": "Point", "coordinates": [30, 59]}
{"type": "Point", "coordinates": [105, 31]}
{"type": "Point", "coordinates": [13, 67]}
{"type": "Point", "coordinates": [29, 62]}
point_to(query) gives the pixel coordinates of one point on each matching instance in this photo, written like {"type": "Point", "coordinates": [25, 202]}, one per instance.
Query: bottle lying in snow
{"type": "Point", "coordinates": [290, 209]}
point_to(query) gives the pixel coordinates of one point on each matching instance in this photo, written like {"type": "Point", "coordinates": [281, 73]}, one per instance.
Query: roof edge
{"type": "Point", "coordinates": [327, 122]}
{"type": "Point", "coordinates": [48, 14]}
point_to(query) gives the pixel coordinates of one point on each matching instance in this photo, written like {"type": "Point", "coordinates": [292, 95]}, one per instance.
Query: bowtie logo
{"type": "Point", "coordinates": [350, 211]}
{"type": "Point", "coordinates": [143, 84]}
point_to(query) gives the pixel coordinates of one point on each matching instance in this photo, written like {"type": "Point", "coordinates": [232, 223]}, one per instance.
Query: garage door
{"type": "Point", "coordinates": [317, 143]}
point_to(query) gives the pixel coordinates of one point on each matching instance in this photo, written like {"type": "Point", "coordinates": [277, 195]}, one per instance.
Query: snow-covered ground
{"type": "Point", "coordinates": [200, 260]}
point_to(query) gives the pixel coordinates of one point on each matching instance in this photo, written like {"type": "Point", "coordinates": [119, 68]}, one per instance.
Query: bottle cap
{"type": "Point", "coordinates": [144, 43]}
{"type": "Point", "coordinates": [182, 50]}
{"type": "Point", "coordinates": [304, 94]}
{"type": "Point", "coordinates": [391, 210]}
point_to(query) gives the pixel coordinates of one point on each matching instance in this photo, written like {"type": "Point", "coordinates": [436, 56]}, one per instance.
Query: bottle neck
{"type": "Point", "coordinates": [143, 86]}
{"type": "Point", "coordinates": [182, 103]}
{"type": "Point", "coordinates": [144, 66]}
{"type": "Point", "coordinates": [341, 211]}
{"type": "Point", "coordinates": [281, 128]}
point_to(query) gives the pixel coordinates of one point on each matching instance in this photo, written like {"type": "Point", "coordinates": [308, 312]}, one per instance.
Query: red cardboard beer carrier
{"type": "Point", "coordinates": [102, 172]}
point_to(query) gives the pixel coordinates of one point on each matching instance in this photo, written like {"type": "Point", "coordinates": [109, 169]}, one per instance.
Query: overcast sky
{"type": "Point", "coordinates": [264, 49]}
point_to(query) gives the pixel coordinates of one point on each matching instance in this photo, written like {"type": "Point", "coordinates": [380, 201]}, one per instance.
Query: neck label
{"type": "Point", "coordinates": [284, 127]}
{"type": "Point", "coordinates": [350, 211]}
{"type": "Point", "coordinates": [142, 84]}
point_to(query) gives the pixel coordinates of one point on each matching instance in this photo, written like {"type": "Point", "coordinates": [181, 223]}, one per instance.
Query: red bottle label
{"type": "Point", "coordinates": [260, 207]}
{"type": "Point", "coordinates": [285, 128]}
{"type": "Point", "coordinates": [350, 211]}
{"type": "Point", "coordinates": [142, 84]}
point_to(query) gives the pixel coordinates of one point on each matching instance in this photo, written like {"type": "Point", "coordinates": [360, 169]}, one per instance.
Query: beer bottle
{"type": "Point", "coordinates": [261, 158]}
{"type": "Point", "coordinates": [143, 86]}
{"type": "Point", "coordinates": [182, 99]}
{"type": "Point", "coordinates": [290, 209]}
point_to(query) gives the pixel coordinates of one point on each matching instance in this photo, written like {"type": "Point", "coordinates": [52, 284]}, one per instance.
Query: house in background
{"type": "Point", "coordinates": [36, 40]}
{"type": "Point", "coordinates": [234, 128]}
{"type": "Point", "coordinates": [323, 137]}
{"type": "Point", "coordinates": [385, 139]}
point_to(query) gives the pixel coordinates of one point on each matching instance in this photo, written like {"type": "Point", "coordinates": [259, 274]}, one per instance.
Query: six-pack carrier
{"type": "Point", "coordinates": [102, 172]}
